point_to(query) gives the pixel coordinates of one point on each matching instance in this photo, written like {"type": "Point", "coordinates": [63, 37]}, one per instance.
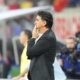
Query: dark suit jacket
{"type": "Point", "coordinates": [42, 55]}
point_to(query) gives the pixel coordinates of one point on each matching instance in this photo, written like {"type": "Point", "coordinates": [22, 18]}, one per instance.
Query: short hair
{"type": "Point", "coordinates": [28, 33]}
{"type": "Point", "coordinates": [47, 16]}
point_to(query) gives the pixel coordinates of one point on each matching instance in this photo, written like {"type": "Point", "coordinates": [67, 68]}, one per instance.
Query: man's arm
{"type": "Point", "coordinates": [42, 46]}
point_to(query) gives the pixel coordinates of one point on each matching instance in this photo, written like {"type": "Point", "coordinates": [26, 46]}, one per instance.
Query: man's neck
{"type": "Point", "coordinates": [43, 30]}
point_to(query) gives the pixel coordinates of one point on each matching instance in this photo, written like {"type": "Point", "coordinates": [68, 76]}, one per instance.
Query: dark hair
{"type": "Point", "coordinates": [47, 17]}
{"type": "Point", "coordinates": [28, 33]}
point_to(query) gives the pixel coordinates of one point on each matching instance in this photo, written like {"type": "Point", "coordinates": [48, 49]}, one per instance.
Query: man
{"type": "Point", "coordinates": [24, 38]}
{"type": "Point", "coordinates": [42, 48]}
{"type": "Point", "coordinates": [69, 59]}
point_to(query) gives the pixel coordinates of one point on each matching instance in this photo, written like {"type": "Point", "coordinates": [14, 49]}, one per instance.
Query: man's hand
{"type": "Point", "coordinates": [35, 33]}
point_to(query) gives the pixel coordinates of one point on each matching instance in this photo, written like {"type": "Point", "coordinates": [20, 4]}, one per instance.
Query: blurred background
{"type": "Point", "coordinates": [15, 17]}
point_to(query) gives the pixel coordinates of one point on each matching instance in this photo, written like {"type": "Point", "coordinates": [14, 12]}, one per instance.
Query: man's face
{"type": "Point", "coordinates": [39, 23]}
{"type": "Point", "coordinates": [70, 43]}
{"type": "Point", "coordinates": [23, 38]}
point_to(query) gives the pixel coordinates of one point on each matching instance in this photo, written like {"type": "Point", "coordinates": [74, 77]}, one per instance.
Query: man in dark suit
{"type": "Point", "coordinates": [42, 48]}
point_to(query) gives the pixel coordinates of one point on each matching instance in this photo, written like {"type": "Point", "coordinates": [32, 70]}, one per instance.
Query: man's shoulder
{"type": "Point", "coordinates": [50, 34]}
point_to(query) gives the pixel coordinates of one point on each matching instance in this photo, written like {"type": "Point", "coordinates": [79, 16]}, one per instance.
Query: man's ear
{"type": "Point", "coordinates": [44, 23]}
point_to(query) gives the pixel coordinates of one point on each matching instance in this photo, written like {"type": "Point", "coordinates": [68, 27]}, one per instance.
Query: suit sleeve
{"type": "Point", "coordinates": [42, 46]}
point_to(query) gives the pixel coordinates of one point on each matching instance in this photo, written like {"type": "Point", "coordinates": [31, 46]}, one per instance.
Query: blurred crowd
{"type": "Point", "coordinates": [21, 4]}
